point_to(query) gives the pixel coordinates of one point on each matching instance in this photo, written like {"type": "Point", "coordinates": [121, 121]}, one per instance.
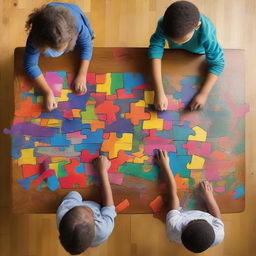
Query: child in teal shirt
{"type": "Point", "coordinates": [183, 27]}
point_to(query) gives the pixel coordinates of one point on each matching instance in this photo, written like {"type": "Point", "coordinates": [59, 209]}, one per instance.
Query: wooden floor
{"type": "Point", "coordinates": [127, 23]}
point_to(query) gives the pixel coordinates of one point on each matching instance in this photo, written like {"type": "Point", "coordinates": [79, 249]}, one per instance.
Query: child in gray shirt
{"type": "Point", "coordinates": [84, 224]}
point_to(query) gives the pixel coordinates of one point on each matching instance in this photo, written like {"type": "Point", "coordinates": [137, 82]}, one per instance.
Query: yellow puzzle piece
{"type": "Point", "coordinates": [197, 162]}
{"type": "Point", "coordinates": [154, 122]}
{"type": "Point", "coordinates": [114, 144]}
{"type": "Point", "coordinates": [149, 97]}
{"type": "Point", "coordinates": [201, 134]}
{"type": "Point", "coordinates": [27, 157]}
{"type": "Point", "coordinates": [106, 86]}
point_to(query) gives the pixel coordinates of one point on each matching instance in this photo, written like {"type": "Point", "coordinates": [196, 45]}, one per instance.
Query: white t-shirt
{"type": "Point", "coordinates": [176, 220]}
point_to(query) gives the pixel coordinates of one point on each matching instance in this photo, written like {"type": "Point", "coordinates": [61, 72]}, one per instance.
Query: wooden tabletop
{"type": "Point", "coordinates": [106, 60]}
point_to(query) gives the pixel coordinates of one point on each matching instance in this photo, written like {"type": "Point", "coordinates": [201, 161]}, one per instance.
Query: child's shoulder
{"type": "Point", "coordinates": [207, 27]}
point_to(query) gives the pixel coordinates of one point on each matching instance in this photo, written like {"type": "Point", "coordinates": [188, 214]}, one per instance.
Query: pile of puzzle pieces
{"type": "Point", "coordinates": [116, 118]}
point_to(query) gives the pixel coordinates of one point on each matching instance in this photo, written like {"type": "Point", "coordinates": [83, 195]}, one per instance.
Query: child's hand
{"type": "Point", "coordinates": [80, 84]}
{"type": "Point", "coordinates": [162, 159]}
{"type": "Point", "coordinates": [50, 102]}
{"type": "Point", "coordinates": [160, 101]}
{"type": "Point", "coordinates": [198, 101]}
{"type": "Point", "coordinates": [207, 190]}
{"type": "Point", "coordinates": [101, 164]}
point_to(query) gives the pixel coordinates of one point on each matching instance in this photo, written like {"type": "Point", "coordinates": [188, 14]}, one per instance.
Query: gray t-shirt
{"type": "Point", "coordinates": [103, 216]}
{"type": "Point", "coordinates": [176, 220]}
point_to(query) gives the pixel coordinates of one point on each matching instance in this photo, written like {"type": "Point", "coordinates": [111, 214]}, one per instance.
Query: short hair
{"type": "Point", "coordinates": [180, 18]}
{"type": "Point", "coordinates": [76, 231]}
{"type": "Point", "coordinates": [198, 236]}
{"type": "Point", "coordinates": [51, 26]}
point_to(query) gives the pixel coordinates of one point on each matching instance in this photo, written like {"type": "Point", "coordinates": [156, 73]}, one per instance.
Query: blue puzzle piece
{"type": "Point", "coordinates": [179, 164]}
{"type": "Point", "coordinates": [78, 101]}
{"type": "Point", "coordinates": [132, 80]}
{"type": "Point", "coordinates": [59, 140]}
{"type": "Point", "coordinates": [169, 115]}
{"type": "Point", "coordinates": [55, 114]}
{"type": "Point", "coordinates": [179, 147]}
{"type": "Point", "coordinates": [80, 168]}
{"type": "Point", "coordinates": [182, 132]}
{"type": "Point", "coordinates": [90, 146]}
{"type": "Point", "coordinates": [25, 183]}
{"type": "Point", "coordinates": [62, 74]}
{"type": "Point", "coordinates": [71, 125]}
{"type": "Point", "coordinates": [93, 137]}
{"type": "Point", "coordinates": [53, 183]}
{"type": "Point", "coordinates": [239, 191]}
{"type": "Point", "coordinates": [121, 125]}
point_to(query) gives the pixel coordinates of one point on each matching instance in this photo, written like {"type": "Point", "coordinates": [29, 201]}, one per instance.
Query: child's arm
{"type": "Point", "coordinates": [162, 160]}
{"type": "Point", "coordinates": [50, 102]}
{"type": "Point", "coordinates": [102, 165]}
{"type": "Point", "coordinates": [156, 51]}
{"type": "Point", "coordinates": [215, 59]}
{"type": "Point", "coordinates": [160, 100]}
{"type": "Point", "coordinates": [80, 79]}
{"type": "Point", "coordinates": [84, 42]}
{"type": "Point", "coordinates": [32, 69]}
{"type": "Point", "coordinates": [210, 201]}
{"type": "Point", "coordinates": [200, 99]}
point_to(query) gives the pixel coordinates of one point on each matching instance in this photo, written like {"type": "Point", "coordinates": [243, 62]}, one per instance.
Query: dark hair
{"type": "Point", "coordinates": [180, 18]}
{"type": "Point", "coordinates": [76, 231]}
{"type": "Point", "coordinates": [198, 236]}
{"type": "Point", "coordinates": [52, 26]}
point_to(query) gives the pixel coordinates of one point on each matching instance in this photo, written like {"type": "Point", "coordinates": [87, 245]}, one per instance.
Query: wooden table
{"type": "Point", "coordinates": [124, 60]}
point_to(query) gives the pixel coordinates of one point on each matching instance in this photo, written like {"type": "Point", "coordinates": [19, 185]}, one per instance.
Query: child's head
{"type": "Point", "coordinates": [198, 236]}
{"type": "Point", "coordinates": [77, 230]}
{"type": "Point", "coordinates": [180, 21]}
{"type": "Point", "coordinates": [52, 27]}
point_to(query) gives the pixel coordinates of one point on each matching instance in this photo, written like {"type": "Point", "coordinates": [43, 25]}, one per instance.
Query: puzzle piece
{"type": "Point", "coordinates": [116, 82]}
{"type": "Point", "coordinates": [29, 170]}
{"type": "Point", "coordinates": [132, 80]}
{"type": "Point", "coordinates": [157, 204]}
{"type": "Point", "coordinates": [182, 132]}
{"type": "Point", "coordinates": [123, 205]}
{"type": "Point", "coordinates": [197, 162]}
{"type": "Point", "coordinates": [121, 158]}
{"type": "Point", "coordinates": [137, 112]}
{"type": "Point", "coordinates": [178, 164]}
{"type": "Point", "coordinates": [73, 178]}
{"type": "Point", "coordinates": [109, 109]}
{"type": "Point", "coordinates": [138, 170]}
{"type": "Point", "coordinates": [149, 97]}
{"type": "Point", "coordinates": [27, 157]}
{"type": "Point", "coordinates": [29, 109]}
{"type": "Point", "coordinates": [200, 134]}
{"type": "Point", "coordinates": [154, 122]}
{"type": "Point", "coordinates": [198, 148]}
{"type": "Point", "coordinates": [114, 144]}
{"type": "Point", "coordinates": [64, 95]}
{"type": "Point", "coordinates": [105, 85]}
{"type": "Point", "coordinates": [87, 157]}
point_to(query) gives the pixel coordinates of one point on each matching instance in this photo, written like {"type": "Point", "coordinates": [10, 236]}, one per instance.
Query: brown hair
{"type": "Point", "coordinates": [52, 26]}
{"type": "Point", "coordinates": [76, 231]}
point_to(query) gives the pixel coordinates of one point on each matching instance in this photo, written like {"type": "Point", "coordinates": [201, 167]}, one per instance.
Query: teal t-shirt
{"type": "Point", "coordinates": [204, 41]}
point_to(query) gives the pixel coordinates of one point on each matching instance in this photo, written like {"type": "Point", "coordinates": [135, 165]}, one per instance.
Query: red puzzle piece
{"type": "Point", "coordinates": [109, 109]}
{"type": "Point", "coordinates": [73, 178]}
